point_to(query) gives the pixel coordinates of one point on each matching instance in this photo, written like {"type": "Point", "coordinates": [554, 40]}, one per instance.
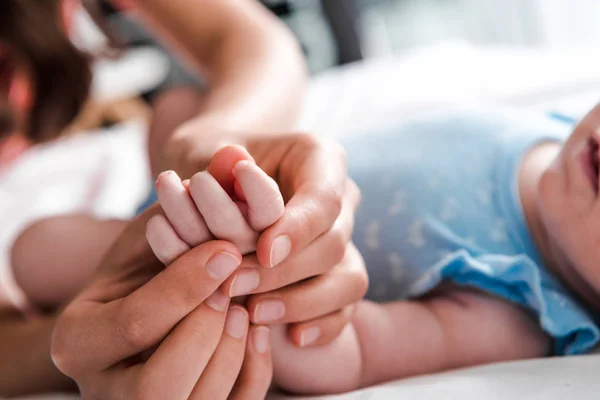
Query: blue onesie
{"type": "Point", "coordinates": [440, 202]}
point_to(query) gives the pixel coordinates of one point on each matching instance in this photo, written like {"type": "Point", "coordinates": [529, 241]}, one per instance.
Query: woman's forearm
{"type": "Point", "coordinates": [25, 364]}
{"type": "Point", "coordinates": [253, 65]}
{"type": "Point", "coordinates": [258, 87]}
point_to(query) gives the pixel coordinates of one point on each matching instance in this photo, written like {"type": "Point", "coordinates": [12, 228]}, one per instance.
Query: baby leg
{"type": "Point", "coordinates": [447, 330]}
{"type": "Point", "coordinates": [54, 258]}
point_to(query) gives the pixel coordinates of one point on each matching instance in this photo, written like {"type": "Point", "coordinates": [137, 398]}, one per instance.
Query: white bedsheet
{"type": "Point", "coordinates": [362, 96]}
{"type": "Point", "coordinates": [344, 102]}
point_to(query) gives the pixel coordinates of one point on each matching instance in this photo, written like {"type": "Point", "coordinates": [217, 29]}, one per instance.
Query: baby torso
{"type": "Point", "coordinates": [440, 202]}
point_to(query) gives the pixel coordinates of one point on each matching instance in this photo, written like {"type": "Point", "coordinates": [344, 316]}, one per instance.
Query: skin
{"type": "Point", "coordinates": [256, 77]}
{"type": "Point", "coordinates": [131, 313]}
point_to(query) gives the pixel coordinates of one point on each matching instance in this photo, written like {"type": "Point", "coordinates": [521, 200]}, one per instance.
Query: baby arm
{"type": "Point", "coordinates": [452, 329]}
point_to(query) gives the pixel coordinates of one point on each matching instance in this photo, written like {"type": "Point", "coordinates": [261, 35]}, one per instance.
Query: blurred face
{"type": "Point", "coordinates": [44, 80]}
{"type": "Point", "coordinates": [15, 92]}
{"type": "Point", "coordinates": [569, 201]}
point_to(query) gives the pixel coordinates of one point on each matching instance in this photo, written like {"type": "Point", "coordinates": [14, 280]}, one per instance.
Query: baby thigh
{"type": "Point", "coordinates": [53, 259]}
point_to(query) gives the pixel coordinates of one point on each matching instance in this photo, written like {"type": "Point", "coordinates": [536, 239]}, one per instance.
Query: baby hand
{"type": "Point", "coordinates": [244, 202]}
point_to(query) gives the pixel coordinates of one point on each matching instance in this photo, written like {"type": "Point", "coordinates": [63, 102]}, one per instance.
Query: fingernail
{"type": "Point", "coordinates": [269, 311]}
{"type": "Point", "coordinates": [238, 165]}
{"type": "Point", "coordinates": [222, 265]}
{"type": "Point", "coordinates": [280, 249]}
{"type": "Point", "coordinates": [260, 339]}
{"type": "Point", "coordinates": [237, 322]}
{"type": "Point", "coordinates": [244, 281]}
{"type": "Point", "coordinates": [309, 336]}
{"type": "Point", "coordinates": [217, 301]}
{"type": "Point", "coordinates": [166, 175]}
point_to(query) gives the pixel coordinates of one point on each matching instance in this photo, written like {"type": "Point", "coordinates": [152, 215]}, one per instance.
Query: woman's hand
{"type": "Point", "coordinates": [312, 240]}
{"type": "Point", "coordinates": [140, 331]}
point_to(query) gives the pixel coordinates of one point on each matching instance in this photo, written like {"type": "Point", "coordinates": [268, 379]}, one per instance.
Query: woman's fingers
{"type": "Point", "coordinates": [255, 377]}
{"type": "Point", "coordinates": [321, 330]}
{"type": "Point", "coordinates": [318, 258]}
{"type": "Point", "coordinates": [261, 194]}
{"type": "Point", "coordinates": [92, 335]}
{"type": "Point", "coordinates": [316, 297]}
{"type": "Point", "coordinates": [313, 173]}
{"type": "Point", "coordinates": [222, 215]}
{"type": "Point", "coordinates": [220, 375]}
{"type": "Point", "coordinates": [185, 353]}
{"type": "Point", "coordinates": [181, 210]}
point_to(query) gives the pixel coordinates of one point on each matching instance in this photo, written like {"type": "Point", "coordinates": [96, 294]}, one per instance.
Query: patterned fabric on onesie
{"type": "Point", "coordinates": [440, 202]}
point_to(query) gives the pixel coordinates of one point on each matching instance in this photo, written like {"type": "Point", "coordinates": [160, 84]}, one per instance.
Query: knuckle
{"type": "Point", "coordinates": [359, 274]}
{"type": "Point", "coordinates": [189, 292]}
{"type": "Point", "coordinates": [301, 225]}
{"type": "Point", "coordinates": [133, 331]}
{"type": "Point", "coordinates": [327, 201]}
{"type": "Point", "coordinates": [354, 192]}
{"type": "Point", "coordinates": [362, 285]}
{"type": "Point", "coordinates": [308, 140]}
{"type": "Point", "coordinates": [61, 353]}
{"type": "Point", "coordinates": [334, 147]}
{"type": "Point", "coordinates": [331, 199]}
{"type": "Point", "coordinates": [63, 359]}
{"type": "Point", "coordinates": [338, 246]}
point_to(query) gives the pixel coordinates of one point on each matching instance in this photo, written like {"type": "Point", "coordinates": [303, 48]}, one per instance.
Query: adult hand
{"type": "Point", "coordinates": [142, 332]}
{"type": "Point", "coordinates": [311, 240]}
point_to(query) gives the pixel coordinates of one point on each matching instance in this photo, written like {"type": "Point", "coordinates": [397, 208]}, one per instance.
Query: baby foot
{"type": "Point", "coordinates": [234, 201]}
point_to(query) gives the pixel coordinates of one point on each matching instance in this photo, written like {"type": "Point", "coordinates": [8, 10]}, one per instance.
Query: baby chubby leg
{"type": "Point", "coordinates": [452, 329]}
{"type": "Point", "coordinates": [54, 258]}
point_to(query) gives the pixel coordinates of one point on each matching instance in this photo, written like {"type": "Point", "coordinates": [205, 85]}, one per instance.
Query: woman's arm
{"type": "Point", "coordinates": [253, 64]}
{"type": "Point", "coordinates": [25, 365]}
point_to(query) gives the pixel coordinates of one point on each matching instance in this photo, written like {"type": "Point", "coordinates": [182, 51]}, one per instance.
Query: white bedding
{"type": "Point", "coordinates": [344, 102]}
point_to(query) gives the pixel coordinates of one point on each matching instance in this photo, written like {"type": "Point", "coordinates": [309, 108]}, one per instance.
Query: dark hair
{"type": "Point", "coordinates": [60, 74]}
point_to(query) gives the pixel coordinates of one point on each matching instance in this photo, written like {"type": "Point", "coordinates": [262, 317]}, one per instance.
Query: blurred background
{"type": "Point", "coordinates": [339, 31]}
{"type": "Point", "coordinates": [334, 32]}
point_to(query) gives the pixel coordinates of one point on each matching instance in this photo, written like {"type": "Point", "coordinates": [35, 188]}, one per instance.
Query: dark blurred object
{"type": "Point", "coordinates": [342, 17]}
{"type": "Point", "coordinates": [128, 33]}
{"type": "Point", "coordinates": [59, 73]}
{"type": "Point", "coordinates": [280, 8]}
{"type": "Point", "coordinates": [6, 120]}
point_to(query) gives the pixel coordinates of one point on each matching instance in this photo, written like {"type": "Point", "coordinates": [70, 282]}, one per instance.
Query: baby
{"type": "Point", "coordinates": [479, 232]}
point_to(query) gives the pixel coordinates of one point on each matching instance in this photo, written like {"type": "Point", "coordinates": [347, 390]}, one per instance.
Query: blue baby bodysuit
{"type": "Point", "coordinates": [440, 202]}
